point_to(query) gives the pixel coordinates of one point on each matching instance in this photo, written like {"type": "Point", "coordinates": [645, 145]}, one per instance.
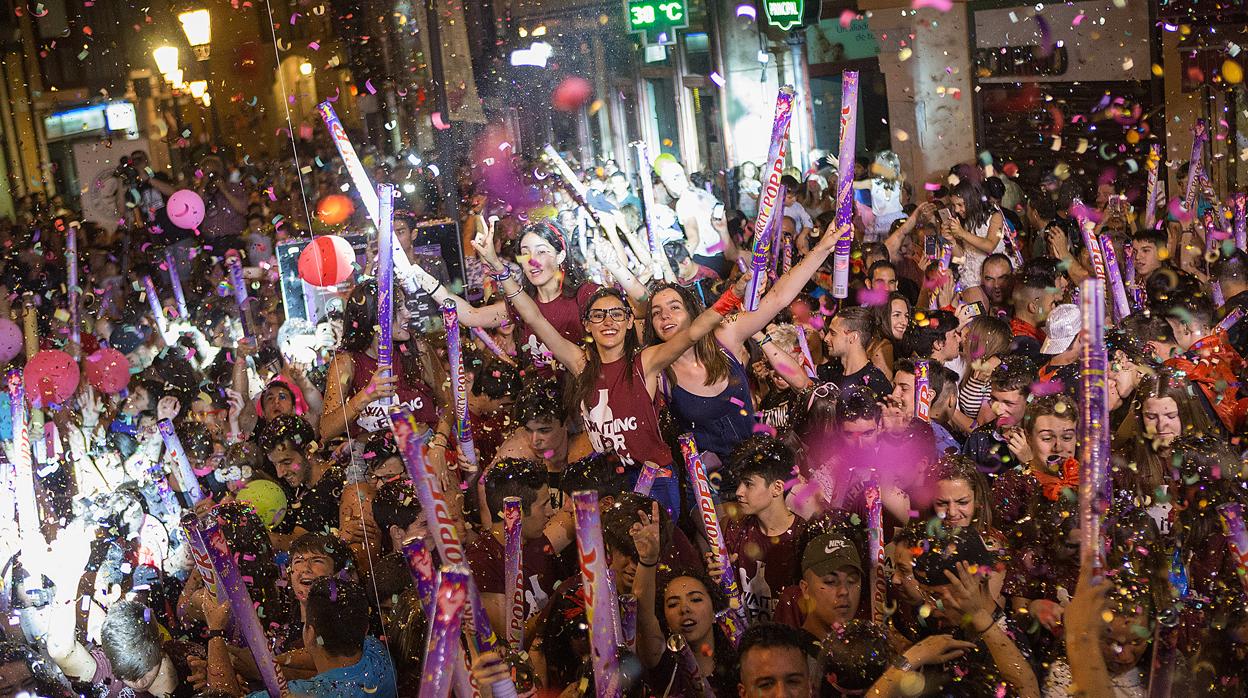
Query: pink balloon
{"type": "Point", "coordinates": [107, 370]}
{"type": "Point", "coordinates": [185, 209]}
{"type": "Point", "coordinates": [10, 340]}
{"type": "Point", "coordinates": [51, 377]}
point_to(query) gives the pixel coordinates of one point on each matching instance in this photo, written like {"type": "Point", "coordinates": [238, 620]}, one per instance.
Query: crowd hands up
{"type": "Point", "coordinates": [879, 495]}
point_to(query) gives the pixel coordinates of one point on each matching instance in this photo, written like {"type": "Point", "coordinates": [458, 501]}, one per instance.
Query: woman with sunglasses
{"type": "Point", "coordinates": [707, 386]}
{"type": "Point", "coordinates": [614, 379]}
{"type": "Point", "coordinates": [552, 275]}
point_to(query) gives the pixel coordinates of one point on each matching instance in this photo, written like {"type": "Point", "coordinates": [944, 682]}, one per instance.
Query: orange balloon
{"type": "Point", "coordinates": [335, 209]}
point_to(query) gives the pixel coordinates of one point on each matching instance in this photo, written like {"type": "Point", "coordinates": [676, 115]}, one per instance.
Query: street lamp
{"type": "Point", "coordinates": [166, 59]}
{"type": "Point", "coordinates": [198, 88]}
{"type": "Point", "coordinates": [197, 25]}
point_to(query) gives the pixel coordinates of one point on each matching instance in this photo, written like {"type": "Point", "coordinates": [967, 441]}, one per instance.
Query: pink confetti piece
{"type": "Point", "coordinates": [315, 46]}
{"type": "Point", "coordinates": [438, 123]}
{"type": "Point", "coordinates": [932, 186]}
{"type": "Point", "coordinates": [368, 85]}
{"type": "Point", "coordinates": [736, 401]}
{"type": "Point", "coordinates": [941, 5]}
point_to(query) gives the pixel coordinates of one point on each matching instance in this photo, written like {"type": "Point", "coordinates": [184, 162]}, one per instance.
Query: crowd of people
{"type": "Point", "coordinates": [935, 410]}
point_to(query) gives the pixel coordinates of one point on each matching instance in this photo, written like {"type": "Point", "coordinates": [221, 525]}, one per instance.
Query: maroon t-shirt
{"type": "Point", "coordinates": [541, 568]}
{"type": "Point", "coordinates": [412, 393]}
{"type": "Point", "coordinates": [564, 314]}
{"type": "Point", "coordinates": [765, 565]}
{"type": "Point", "coordinates": [620, 416]}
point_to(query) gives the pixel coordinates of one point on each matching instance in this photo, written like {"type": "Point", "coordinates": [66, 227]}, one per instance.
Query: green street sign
{"type": "Point", "coordinates": [646, 15]}
{"type": "Point", "coordinates": [784, 14]}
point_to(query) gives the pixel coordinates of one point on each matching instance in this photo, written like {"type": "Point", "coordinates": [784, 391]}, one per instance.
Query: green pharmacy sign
{"type": "Point", "coordinates": [648, 15]}
{"type": "Point", "coordinates": [784, 14]}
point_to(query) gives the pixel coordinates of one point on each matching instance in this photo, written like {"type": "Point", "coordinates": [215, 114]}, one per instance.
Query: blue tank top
{"type": "Point", "coordinates": [722, 421]}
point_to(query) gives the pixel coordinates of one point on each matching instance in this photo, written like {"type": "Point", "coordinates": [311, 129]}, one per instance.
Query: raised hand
{"type": "Point", "coordinates": [936, 649]}
{"type": "Point", "coordinates": [645, 535]}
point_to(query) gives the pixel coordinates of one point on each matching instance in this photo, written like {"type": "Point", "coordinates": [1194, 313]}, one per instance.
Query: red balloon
{"type": "Point", "coordinates": [335, 209]}
{"type": "Point", "coordinates": [327, 261]}
{"type": "Point", "coordinates": [571, 94]}
{"type": "Point", "coordinates": [51, 377]}
{"type": "Point", "coordinates": [107, 370]}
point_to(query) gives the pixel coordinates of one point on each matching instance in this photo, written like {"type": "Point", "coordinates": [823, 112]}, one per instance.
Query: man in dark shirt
{"type": "Point", "coordinates": [1230, 272]}
{"type": "Point", "coordinates": [989, 445]}
{"type": "Point", "coordinates": [848, 335]}
{"type": "Point", "coordinates": [314, 486]}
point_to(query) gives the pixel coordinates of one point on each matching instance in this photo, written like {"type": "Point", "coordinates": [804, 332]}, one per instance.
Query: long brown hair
{"type": "Point", "coordinates": [583, 384]}
{"type": "Point", "coordinates": [1144, 464]}
{"type": "Point", "coordinates": [707, 350]}
{"type": "Point", "coordinates": [958, 467]}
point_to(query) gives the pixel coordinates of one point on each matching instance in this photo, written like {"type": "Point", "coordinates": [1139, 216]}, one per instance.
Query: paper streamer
{"type": "Point", "coordinates": [385, 283]}
{"type": "Point", "coordinates": [1236, 537]}
{"type": "Point", "coordinates": [714, 535]}
{"type": "Point", "coordinates": [513, 580]}
{"type": "Point", "coordinates": [1122, 306]}
{"type": "Point", "coordinates": [601, 611]}
{"type": "Point", "coordinates": [186, 475]}
{"type": "Point", "coordinates": [402, 266]}
{"type": "Point", "coordinates": [1240, 202]}
{"type": "Point", "coordinates": [420, 563]}
{"type": "Point", "coordinates": [687, 664]}
{"type": "Point", "coordinates": [175, 281]}
{"type": "Point", "coordinates": [459, 385]}
{"type": "Point", "coordinates": [442, 641]}
{"type": "Point", "coordinates": [1096, 256]}
{"type": "Point", "coordinates": [771, 196]}
{"type": "Point", "coordinates": [1094, 482]}
{"type": "Point", "coordinates": [760, 256]}
{"type": "Point", "coordinates": [645, 479]}
{"type": "Point", "coordinates": [242, 611]}
{"type": "Point", "coordinates": [922, 391]}
{"type": "Point", "coordinates": [875, 548]}
{"type": "Point", "coordinates": [644, 167]}
{"type": "Point", "coordinates": [1150, 200]}
{"type": "Point", "coordinates": [808, 363]}
{"type": "Point", "coordinates": [71, 254]}
{"type": "Point", "coordinates": [845, 183]}
{"type": "Point", "coordinates": [1194, 168]}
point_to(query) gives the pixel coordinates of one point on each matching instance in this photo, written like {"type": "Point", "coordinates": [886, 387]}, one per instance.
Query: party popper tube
{"type": "Point", "coordinates": [479, 630]}
{"type": "Point", "coordinates": [234, 267]}
{"type": "Point", "coordinates": [1232, 318]}
{"type": "Point", "coordinates": [845, 183]}
{"type": "Point", "coordinates": [714, 534]}
{"type": "Point", "coordinates": [645, 478]}
{"type": "Point", "coordinates": [153, 304]}
{"type": "Point", "coordinates": [1215, 294]}
{"type": "Point", "coordinates": [420, 563]}
{"type": "Point", "coordinates": [1093, 426]}
{"type": "Point", "coordinates": [1236, 537]}
{"type": "Point", "coordinates": [601, 611]}
{"type": "Point", "coordinates": [442, 641]}
{"type": "Point", "coordinates": [385, 283]}
{"type": "Point", "coordinates": [628, 621]}
{"type": "Point", "coordinates": [1194, 167]}
{"type": "Point", "coordinates": [71, 255]}
{"type": "Point", "coordinates": [1118, 290]}
{"type": "Point", "coordinates": [771, 196]}
{"type": "Point", "coordinates": [459, 385]}
{"type": "Point", "coordinates": [513, 582]}
{"type": "Point", "coordinates": [438, 514]}
{"type": "Point", "coordinates": [1240, 203]}
{"type": "Point", "coordinates": [922, 394]}
{"type": "Point", "coordinates": [488, 342]}
{"type": "Point", "coordinates": [808, 362]}
{"type": "Point", "coordinates": [241, 609]}
{"type": "Point", "coordinates": [23, 461]}
{"type": "Point", "coordinates": [1088, 229]}
{"type": "Point", "coordinates": [658, 266]}
{"type": "Point", "coordinates": [175, 281]}
{"type": "Point", "coordinates": [760, 256]}
{"type": "Point", "coordinates": [1150, 192]}
{"type": "Point", "coordinates": [875, 547]}
{"type": "Point", "coordinates": [199, 554]}
{"type": "Point", "coordinates": [186, 475]}
{"type": "Point", "coordinates": [786, 252]}
{"type": "Point", "coordinates": [687, 665]}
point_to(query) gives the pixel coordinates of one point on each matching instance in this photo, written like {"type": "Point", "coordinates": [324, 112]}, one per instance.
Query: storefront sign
{"type": "Point", "coordinates": [645, 15]}
{"type": "Point", "coordinates": [784, 14]}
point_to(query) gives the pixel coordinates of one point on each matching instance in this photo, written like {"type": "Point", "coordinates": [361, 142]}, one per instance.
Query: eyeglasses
{"type": "Point", "coordinates": [600, 315]}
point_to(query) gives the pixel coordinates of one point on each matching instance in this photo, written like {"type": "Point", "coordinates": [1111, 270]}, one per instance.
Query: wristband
{"type": "Point", "coordinates": [652, 564]}
{"type": "Point", "coordinates": [766, 338]}
{"type": "Point", "coordinates": [727, 303]}
{"type": "Point", "coordinates": [501, 276]}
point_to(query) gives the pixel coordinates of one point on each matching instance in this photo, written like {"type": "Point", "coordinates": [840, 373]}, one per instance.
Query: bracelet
{"type": "Point", "coordinates": [652, 564]}
{"type": "Point", "coordinates": [513, 294]}
{"type": "Point", "coordinates": [501, 276]}
{"type": "Point", "coordinates": [766, 338]}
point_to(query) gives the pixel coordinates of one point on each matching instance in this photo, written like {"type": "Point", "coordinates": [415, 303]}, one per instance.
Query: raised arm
{"type": "Point", "coordinates": [782, 294]}
{"type": "Point", "coordinates": [969, 594]}
{"type": "Point", "coordinates": [656, 358]}
{"type": "Point", "coordinates": [650, 640]}
{"type": "Point", "coordinates": [492, 315]}
{"type": "Point", "coordinates": [567, 353]}
{"type": "Point", "coordinates": [988, 243]}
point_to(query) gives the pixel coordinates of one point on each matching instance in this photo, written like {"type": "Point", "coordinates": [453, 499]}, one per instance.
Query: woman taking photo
{"type": "Point", "coordinates": [355, 387]}
{"type": "Point", "coordinates": [614, 379]}
{"type": "Point", "coordinates": [977, 226]}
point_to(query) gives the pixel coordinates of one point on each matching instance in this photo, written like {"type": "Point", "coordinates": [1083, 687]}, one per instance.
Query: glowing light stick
{"type": "Point", "coordinates": [241, 608]}
{"type": "Point", "coordinates": [442, 643]}
{"type": "Point", "coordinates": [1094, 484]}
{"type": "Point", "coordinates": [714, 535]}
{"type": "Point", "coordinates": [71, 252]}
{"type": "Point", "coordinates": [1150, 201]}
{"type": "Point", "coordinates": [385, 283]}
{"type": "Point", "coordinates": [1122, 306]}
{"type": "Point", "coordinates": [459, 385]}
{"type": "Point", "coordinates": [601, 611]}
{"type": "Point", "coordinates": [760, 256]}
{"type": "Point", "coordinates": [186, 475]}
{"type": "Point", "coordinates": [875, 548]}
{"type": "Point", "coordinates": [513, 580]}
{"type": "Point", "coordinates": [645, 479]}
{"type": "Point", "coordinates": [845, 182]}
{"type": "Point", "coordinates": [771, 196]}
{"type": "Point", "coordinates": [175, 280]}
